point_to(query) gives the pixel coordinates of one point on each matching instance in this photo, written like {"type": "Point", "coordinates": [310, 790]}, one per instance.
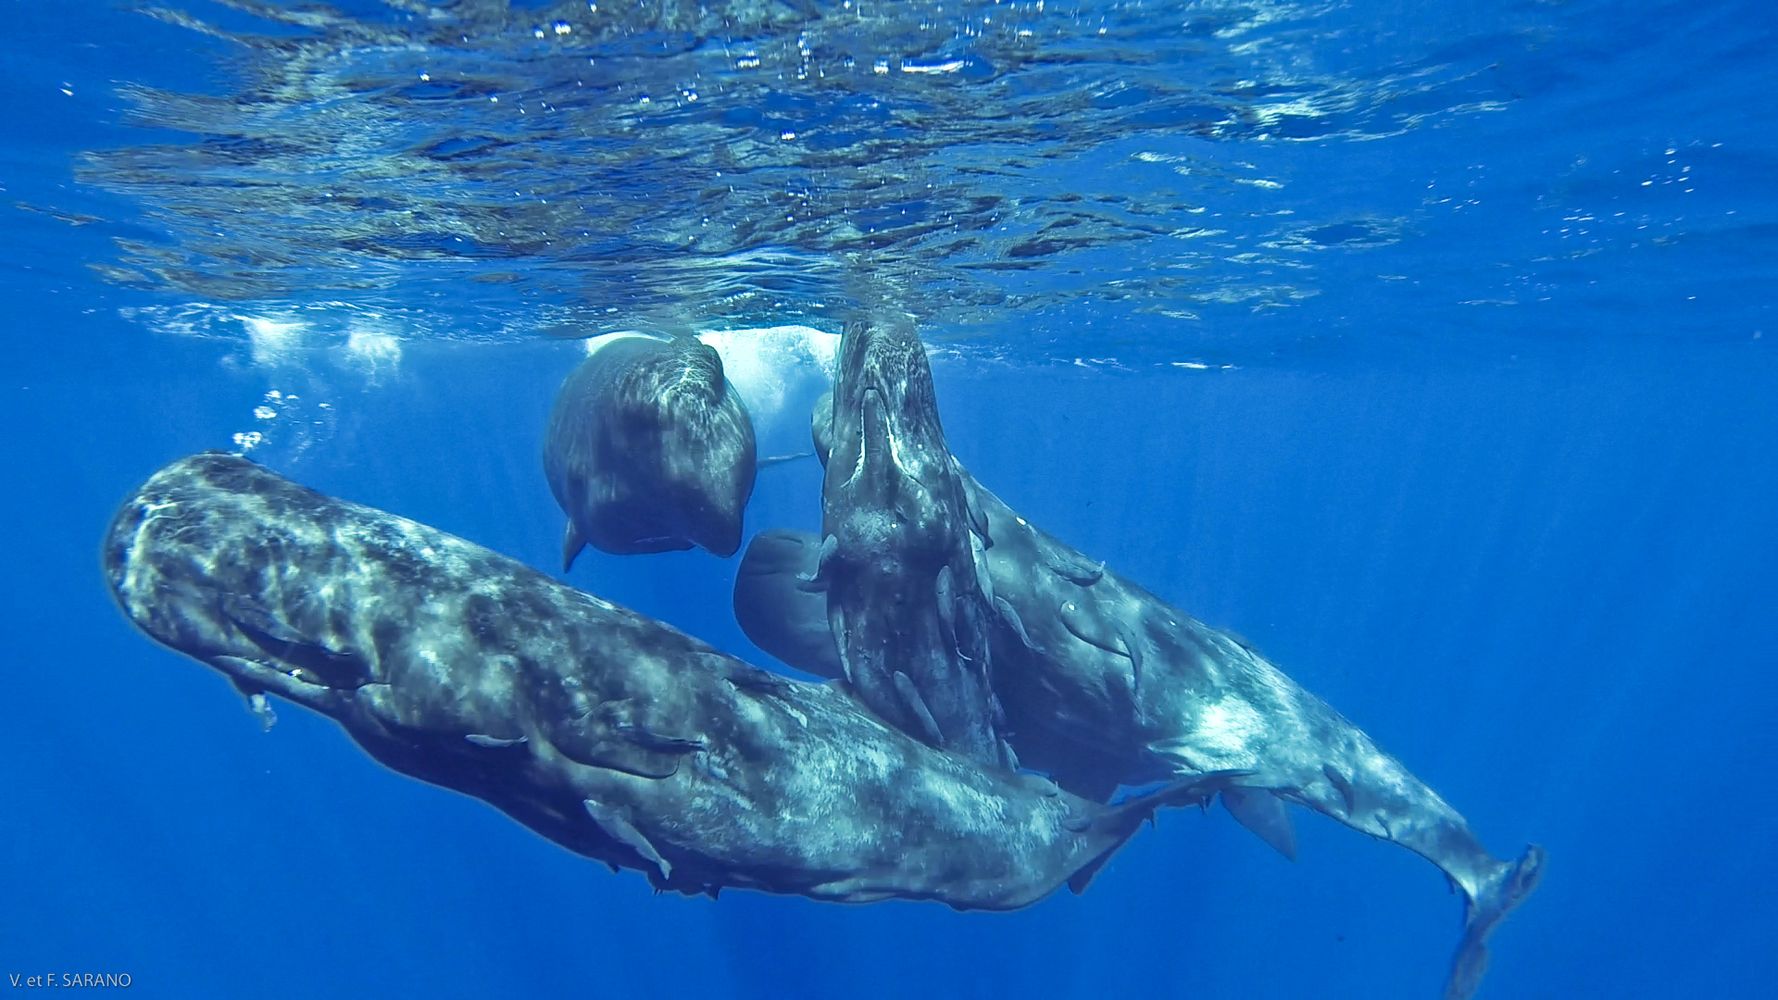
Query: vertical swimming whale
{"type": "Point", "coordinates": [1105, 684]}
{"type": "Point", "coordinates": [899, 563]}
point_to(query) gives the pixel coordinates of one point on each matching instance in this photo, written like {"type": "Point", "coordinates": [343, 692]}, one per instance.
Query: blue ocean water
{"type": "Point", "coordinates": [1429, 348]}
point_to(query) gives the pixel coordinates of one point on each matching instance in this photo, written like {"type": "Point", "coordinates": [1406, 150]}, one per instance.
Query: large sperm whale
{"type": "Point", "coordinates": [649, 449]}
{"type": "Point", "coordinates": [608, 732]}
{"type": "Point", "coordinates": [898, 563]}
{"type": "Point", "coordinates": [1105, 684]}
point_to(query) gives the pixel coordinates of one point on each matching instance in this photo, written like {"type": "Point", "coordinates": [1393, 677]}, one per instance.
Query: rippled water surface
{"type": "Point", "coordinates": [485, 171]}
{"type": "Point", "coordinates": [1428, 346]}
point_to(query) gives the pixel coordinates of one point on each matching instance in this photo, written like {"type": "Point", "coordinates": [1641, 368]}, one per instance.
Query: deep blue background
{"type": "Point", "coordinates": [1531, 551]}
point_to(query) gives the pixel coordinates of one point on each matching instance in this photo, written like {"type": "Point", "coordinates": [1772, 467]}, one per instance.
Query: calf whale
{"type": "Point", "coordinates": [649, 449]}
{"type": "Point", "coordinates": [606, 731]}
{"type": "Point", "coordinates": [1104, 684]}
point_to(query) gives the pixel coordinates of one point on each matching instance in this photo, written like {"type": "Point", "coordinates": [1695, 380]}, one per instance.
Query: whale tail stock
{"type": "Point", "coordinates": [1123, 818]}
{"type": "Point", "coordinates": [1498, 894]}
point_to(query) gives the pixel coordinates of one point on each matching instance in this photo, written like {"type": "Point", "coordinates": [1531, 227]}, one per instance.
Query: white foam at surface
{"type": "Point", "coordinates": [768, 364]}
{"type": "Point", "coordinates": [593, 344]}
{"type": "Point", "coordinates": [770, 367]}
{"type": "Point", "coordinates": [271, 340]}
{"type": "Point", "coordinates": [373, 350]}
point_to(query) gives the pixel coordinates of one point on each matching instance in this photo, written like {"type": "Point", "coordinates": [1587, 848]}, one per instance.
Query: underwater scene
{"type": "Point", "coordinates": [868, 499]}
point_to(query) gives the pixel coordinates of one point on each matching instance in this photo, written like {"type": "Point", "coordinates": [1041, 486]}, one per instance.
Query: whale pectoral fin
{"type": "Point", "coordinates": [817, 581]}
{"type": "Point", "coordinates": [1078, 882]}
{"type": "Point", "coordinates": [614, 825]}
{"type": "Point", "coordinates": [904, 686]}
{"type": "Point", "coordinates": [1499, 895]}
{"type": "Point", "coordinates": [572, 542]}
{"type": "Point", "coordinates": [1264, 815]}
{"type": "Point", "coordinates": [494, 742]}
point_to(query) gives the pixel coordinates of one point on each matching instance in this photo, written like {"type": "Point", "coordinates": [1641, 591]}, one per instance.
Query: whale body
{"type": "Point", "coordinates": [1104, 684]}
{"type": "Point", "coordinates": [649, 449]}
{"type": "Point", "coordinates": [612, 734]}
{"type": "Point", "coordinates": [899, 561]}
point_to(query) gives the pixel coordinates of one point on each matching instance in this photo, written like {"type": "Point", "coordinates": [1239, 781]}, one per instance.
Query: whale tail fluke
{"type": "Point", "coordinates": [1503, 890]}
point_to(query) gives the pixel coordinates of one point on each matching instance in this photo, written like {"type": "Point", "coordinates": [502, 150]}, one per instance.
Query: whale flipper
{"type": "Point", "coordinates": [1264, 815]}
{"type": "Point", "coordinates": [817, 581]}
{"type": "Point", "coordinates": [572, 542]}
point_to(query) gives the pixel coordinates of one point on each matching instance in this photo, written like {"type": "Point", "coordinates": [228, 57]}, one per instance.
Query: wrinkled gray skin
{"type": "Point", "coordinates": [608, 732]}
{"type": "Point", "coordinates": [649, 449]}
{"type": "Point", "coordinates": [906, 600]}
{"type": "Point", "coordinates": [1104, 684]}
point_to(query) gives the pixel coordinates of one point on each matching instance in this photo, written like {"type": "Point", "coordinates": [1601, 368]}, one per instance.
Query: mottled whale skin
{"type": "Point", "coordinates": [906, 598]}
{"type": "Point", "coordinates": [1105, 684]}
{"type": "Point", "coordinates": [608, 732]}
{"type": "Point", "coordinates": [649, 449]}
